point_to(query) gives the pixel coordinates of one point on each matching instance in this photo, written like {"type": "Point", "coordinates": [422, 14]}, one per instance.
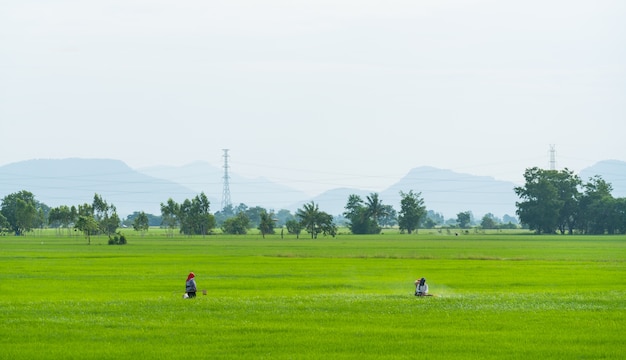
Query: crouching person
{"type": "Point", "coordinates": [421, 288]}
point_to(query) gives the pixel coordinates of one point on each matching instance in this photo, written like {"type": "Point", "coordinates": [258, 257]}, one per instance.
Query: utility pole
{"type": "Point", "coordinates": [226, 190]}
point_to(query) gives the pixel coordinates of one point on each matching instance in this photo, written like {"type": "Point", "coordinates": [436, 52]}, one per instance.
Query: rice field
{"type": "Point", "coordinates": [496, 296]}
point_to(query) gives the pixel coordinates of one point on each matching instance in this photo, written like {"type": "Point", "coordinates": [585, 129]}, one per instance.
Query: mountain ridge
{"type": "Point", "coordinates": [74, 181]}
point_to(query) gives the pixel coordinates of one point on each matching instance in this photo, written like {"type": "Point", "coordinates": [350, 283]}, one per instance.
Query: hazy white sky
{"type": "Point", "coordinates": [316, 94]}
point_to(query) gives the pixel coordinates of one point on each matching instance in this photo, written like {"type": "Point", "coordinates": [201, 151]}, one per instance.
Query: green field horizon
{"type": "Point", "coordinates": [496, 295]}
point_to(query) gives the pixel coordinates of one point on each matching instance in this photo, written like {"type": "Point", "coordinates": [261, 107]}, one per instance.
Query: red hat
{"type": "Point", "coordinates": [191, 276]}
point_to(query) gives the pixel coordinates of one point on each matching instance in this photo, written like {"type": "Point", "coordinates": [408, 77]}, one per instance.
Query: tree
{"type": "Point", "coordinates": [62, 217]}
{"type": "Point", "coordinates": [294, 227]}
{"type": "Point", "coordinates": [194, 216]}
{"type": "Point", "coordinates": [548, 200]}
{"type": "Point", "coordinates": [389, 217]}
{"type": "Point", "coordinates": [412, 210]}
{"type": "Point", "coordinates": [315, 221]}
{"type": "Point", "coordinates": [266, 223]}
{"type": "Point", "coordinates": [169, 215]}
{"type": "Point", "coordinates": [88, 225]}
{"type": "Point", "coordinates": [105, 215]}
{"type": "Point", "coordinates": [282, 216]}
{"type": "Point", "coordinates": [254, 214]}
{"type": "Point", "coordinates": [375, 209]}
{"type": "Point", "coordinates": [597, 208]}
{"type": "Point", "coordinates": [227, 212]}
{"type": "Point", "coordinates": [463, 219]}
{"type": "Point", "coordinates": [237, 225]}
{"type": "Point", "coordinates": [141, 223]}
{"type": "Point", "coordinates": [620, 210]}
{"type": "Point", "coordinates": [19, 211]}
{"type": "Point", "coordinates": [153, 220]}
{"type": "Point", "coordinates": [362, 216]}
{"type": "Point", "coordinates": [488, 222]}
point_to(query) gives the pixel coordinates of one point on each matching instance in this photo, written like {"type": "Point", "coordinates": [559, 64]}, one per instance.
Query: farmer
{"type": "Point", "coordinates": [190, 285]}
{"type": "Point", "coordinates": [421, 288]}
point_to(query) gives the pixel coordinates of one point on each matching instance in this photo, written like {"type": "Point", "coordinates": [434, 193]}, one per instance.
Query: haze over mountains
{"type": "Point", "coordinates": [75, 181]}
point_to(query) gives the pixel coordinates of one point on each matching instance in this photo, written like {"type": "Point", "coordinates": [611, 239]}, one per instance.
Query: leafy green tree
{"type": "Point", "coordinates": [54, 218]}
{"type": "Point", "coordinates": [328, 226]}
{"type": "Point", "coordinates": [195, 217]}
{"type": "Point", "coordinates": [412, 210]}
{"type": "Point", "coordinates": [85, 209]}
{"type": "Point", "coordinates": [548, 200]}
{"type": "Point", "coordinates": [488, 222]}
{"type": "Point", "coordinates": [315, 221]}
{"type": "Point", "coordinates": [105, 214]}
{"type": "Point", "coordinates": [362, 216]}
{"type": "Point", "coordinates": [620, 210]}
{"type": "Point", "coordinates": [153, 220]}
{"type": "Point", "coordinates": [169, 215]}
{"type": "Point", "coordinates": [389, 217]}
{"type": "Point", "coordinates": [88, 225]}
{"type": "Point", "coordinates": [237, 225]}
{"type": "Point", "coordinates": [41, 219]}
{"type": "Point", "coordinates": [227, 212]}
{"type": "Point", "coordinates": [254, 214]}
{"type": "Point", "coordinates": [294, 227]}
{"type": "Point", "coordinates": [141, 223]}
{"type": "Point", "coordinates": [597, 208]}
{"type": "Point", "coordinates": [62, 217]}
{"type": "Point", "coordinates": [20, 211]}
{"type": "Point", "coordinates": [463, 219]}
{"type": "Point", "coordinates": [266, 223]}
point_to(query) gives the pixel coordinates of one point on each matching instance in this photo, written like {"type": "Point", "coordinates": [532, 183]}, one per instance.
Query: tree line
{"type": "Point", "coordinates": [559, 201]}
{"type": "Point", "coordinates": [21, 213]}
{"type": "Point", "coordinates": [550, 201]}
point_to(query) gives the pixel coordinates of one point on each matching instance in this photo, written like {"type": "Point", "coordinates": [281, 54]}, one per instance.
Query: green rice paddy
{"type": "Point", "coordinates": [497, 296]}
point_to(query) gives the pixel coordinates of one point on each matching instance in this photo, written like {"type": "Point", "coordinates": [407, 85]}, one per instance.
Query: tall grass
{"type": "Point", "coordinates": [496, 296]}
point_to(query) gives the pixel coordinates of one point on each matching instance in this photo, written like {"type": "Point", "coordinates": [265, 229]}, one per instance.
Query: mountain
{"type": "Point", "coordinates": [204, 177]}
{"type": "Point", "coordinates": [449, 193]}
{"type": "Point", "coordinates": [75, 181]}
{"type": "Point", "coordinates": [612, 171]}
{"type": "Point", "coordinates": [443, 191]}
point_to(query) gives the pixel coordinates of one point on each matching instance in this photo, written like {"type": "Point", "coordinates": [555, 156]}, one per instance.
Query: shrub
{"type": "Point", "coordinates": [118, 239]}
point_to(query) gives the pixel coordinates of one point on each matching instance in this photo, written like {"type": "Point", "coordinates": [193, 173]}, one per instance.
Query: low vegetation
{"type": "Point", "coordinates": [496, 296]}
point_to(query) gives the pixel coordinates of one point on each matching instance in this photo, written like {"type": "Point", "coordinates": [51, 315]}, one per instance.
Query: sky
{"type": "Point", "coordinates": [316, 94]}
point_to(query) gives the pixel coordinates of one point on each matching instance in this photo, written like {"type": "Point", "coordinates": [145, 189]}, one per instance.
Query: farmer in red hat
{"type": "Point", "coordinates": [190, 285]}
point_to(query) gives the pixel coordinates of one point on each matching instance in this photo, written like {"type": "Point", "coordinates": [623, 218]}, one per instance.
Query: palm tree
{"type": "Point", "coordinates": [308, 216]}
{"type": "Point", "coordinates": [315, 221]}
{"type": "Point", "coordinates": [266, 225]}
{"type": "Point", "coordinates": [375, 208]}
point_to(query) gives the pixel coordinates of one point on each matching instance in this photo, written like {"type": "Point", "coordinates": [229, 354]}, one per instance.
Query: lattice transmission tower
{"type": "Point", "coordinates": [552, 157]}
{"type": "Point", "coordinates": [226, 190]}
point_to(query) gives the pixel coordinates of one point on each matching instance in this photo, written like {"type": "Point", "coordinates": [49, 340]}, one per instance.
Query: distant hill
{"type": "Point", "coordinates": [204, 177]}
{"type": "Point", "coordinates": [75, 181]}
{"type": "Point", "coordinates": [449, 193]}
{"type": "Point", "coordinates": [612, 171]}
{"type": "Point", "coordinates": [443, 191]}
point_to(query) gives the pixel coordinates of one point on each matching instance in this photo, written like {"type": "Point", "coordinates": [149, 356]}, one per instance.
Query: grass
{"type": "Point", "coordinates": [497, 296]}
